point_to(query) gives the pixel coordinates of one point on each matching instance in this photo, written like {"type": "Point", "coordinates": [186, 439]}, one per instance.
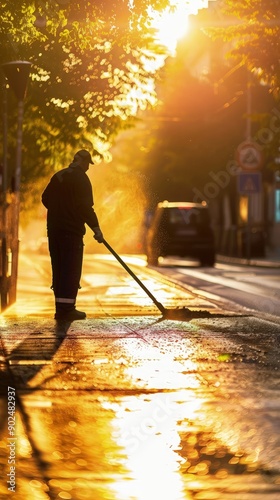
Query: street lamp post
{"type": "Point", "coordinates": [3, 203]}
{"type": "Point", "coordinates": [17, 74]}
{"type": "Point", "coordinates": [249, 138]}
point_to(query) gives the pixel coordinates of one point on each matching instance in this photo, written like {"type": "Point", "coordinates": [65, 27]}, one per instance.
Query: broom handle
{"type": "Point", "coordinates": [158, 304]}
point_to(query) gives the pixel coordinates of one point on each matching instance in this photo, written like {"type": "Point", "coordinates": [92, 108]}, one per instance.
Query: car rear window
{"type": "Point", "coordinates": [188, 216]}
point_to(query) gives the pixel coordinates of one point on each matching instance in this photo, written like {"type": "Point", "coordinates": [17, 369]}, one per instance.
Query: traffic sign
{"type": "Point", "coordinates": [249, 156]}
{"type": "Point", "coordinates": [249, 183]}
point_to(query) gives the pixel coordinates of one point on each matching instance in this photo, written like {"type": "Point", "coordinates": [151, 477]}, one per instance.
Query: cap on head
{"type": "Point", "coordinates": [85, 155]}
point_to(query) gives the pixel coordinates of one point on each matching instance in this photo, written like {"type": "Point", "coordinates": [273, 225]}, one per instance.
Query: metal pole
{"type": "Point", "coordinates": [4, 259]}
{"type": "Point", "coordinates": [19, 147]}
{"type": "Point", "coordinates": [5, 141]}
{"type": "Point", "coordinates": [249, 225]}
{"type": "Point", "coordinates": [17, 74]}
{"type": "Point", "coordinates": [249, 138]}
{"type": "Point", "coordinates": [15, 236]}
{"type": "Point", "coordinates": [249, 107]}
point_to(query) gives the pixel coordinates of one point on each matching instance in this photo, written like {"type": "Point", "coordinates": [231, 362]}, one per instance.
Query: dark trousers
{"type": "Point", "coordinates": [66, 252]}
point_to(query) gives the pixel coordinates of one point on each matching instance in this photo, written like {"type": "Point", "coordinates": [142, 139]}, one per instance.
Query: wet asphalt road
{"type": "Point", "coordinates": [127, 406]}
{"type": "Point", "coordinates": [254, 287]}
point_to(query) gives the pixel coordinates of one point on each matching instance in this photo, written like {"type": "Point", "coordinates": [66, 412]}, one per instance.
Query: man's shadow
{"type": "Point", "coordinates": [32, 354]}
{"type": "Point", "coordinates": [18, 368]}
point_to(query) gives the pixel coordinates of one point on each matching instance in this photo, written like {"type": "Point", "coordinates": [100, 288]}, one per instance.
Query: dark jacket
{"type": "Point", "coordinates": [69, 200]}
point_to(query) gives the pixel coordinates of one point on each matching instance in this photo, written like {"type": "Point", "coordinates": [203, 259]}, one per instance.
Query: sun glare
{"type": "Point", "coordinates": [171, 25]}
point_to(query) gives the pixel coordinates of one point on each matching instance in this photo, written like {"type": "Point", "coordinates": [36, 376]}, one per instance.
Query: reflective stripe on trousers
{"type": "Point", "coordinates": [65, 301]}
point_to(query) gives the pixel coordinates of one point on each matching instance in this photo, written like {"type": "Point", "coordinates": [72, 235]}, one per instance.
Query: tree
{"type": "Point", "coordinates": [201, 118]}
{"type": "Point", "coordinates": [251, 30]}
{"type": "Point", "coordinates": [89, 74]}
{"type": "Point", "coordinates": [255, 31]}
{"type": "Point", "coordinates": [195, 128]}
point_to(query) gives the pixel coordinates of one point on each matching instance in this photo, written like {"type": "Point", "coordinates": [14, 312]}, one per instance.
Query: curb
{"type": "Point", "coordinates": [249, 262]}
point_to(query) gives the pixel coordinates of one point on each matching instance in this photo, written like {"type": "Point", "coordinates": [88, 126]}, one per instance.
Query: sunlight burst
{"type": "Point", "coordinates": [171, 25]}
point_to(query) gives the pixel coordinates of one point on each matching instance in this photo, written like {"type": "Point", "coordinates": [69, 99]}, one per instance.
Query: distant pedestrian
{"type": "Point", "coordinates": [69, 200]}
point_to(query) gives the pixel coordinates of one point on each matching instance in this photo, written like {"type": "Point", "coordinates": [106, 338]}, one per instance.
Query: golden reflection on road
{"type": "Point", "coordinates": [146, 427]}
{"type": "Point", "coordinates": [129, 259]}
{"type": "Point", "coordinates": [164, 372]}
{"type": "Point", "coordinates": [128, 290]}
{"type": "Point", "coordinates": [3, 321]}
{"type": "Point", "coordinates": [129, 286]}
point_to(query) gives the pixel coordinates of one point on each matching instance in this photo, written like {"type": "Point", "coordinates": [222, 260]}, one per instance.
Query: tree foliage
{"type": "Point", "coordinates": [89, 74]}
{"type": "Point", "coordinates": [253, 28]}
{"type": "Point", "coordinates": [202, 118]}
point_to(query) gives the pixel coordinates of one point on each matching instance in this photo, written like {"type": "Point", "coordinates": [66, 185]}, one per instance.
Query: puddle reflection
{"type": "Point", "coordinates": [146, 427]}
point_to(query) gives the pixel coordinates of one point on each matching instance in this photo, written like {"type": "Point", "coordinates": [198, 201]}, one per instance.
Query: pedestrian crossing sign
{"type": "Point", "coordinates": [249, 183]}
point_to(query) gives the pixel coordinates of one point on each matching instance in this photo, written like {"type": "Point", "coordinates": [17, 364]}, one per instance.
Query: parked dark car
{"type": "Point", "coordinates": [181, 229]}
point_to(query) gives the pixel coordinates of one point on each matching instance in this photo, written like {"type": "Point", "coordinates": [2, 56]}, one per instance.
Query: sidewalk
{"type": "Point", "coordinates": [123, 405]}
{"type": "Point", "coordinates": [76, 384]}
{"type": "Point", "coordinates": [272, 259]}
